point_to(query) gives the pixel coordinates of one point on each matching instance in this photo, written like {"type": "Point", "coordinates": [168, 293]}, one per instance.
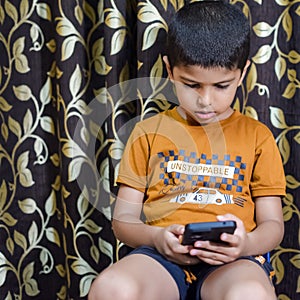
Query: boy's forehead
{"type": "Point", "coordinates": [196, 70]}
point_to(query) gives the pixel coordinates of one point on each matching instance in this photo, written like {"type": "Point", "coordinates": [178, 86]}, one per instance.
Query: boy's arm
{"type": "Point", "coordinates": [264, 238]}
{"type": "Point", "coordinates": [127, 224]}
{"type": "Point", "coordinates": [129, 229]}
{"type": "Point", "coordinates": [270, 226]}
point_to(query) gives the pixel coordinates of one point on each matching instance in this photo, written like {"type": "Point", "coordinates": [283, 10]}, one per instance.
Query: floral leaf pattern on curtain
{"type": "Point", "coordinates": [72, 75]}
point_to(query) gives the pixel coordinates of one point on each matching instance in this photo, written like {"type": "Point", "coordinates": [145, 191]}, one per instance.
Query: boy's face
{"type": "Point", "coordinates": [205, 95]}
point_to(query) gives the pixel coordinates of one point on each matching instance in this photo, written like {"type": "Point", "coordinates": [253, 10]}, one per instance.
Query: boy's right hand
{"type": "Point", "coordinates": [167, 243]}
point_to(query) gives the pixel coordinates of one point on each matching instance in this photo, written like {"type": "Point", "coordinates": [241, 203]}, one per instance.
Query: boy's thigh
{"type": "Point", "coordinates": [145, 274]}
{"type": "Point", "coordinates": [243, 276]}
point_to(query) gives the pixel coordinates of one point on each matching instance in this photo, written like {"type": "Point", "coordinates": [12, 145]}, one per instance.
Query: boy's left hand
{"type": "Point", "coordinates": [216, 253]}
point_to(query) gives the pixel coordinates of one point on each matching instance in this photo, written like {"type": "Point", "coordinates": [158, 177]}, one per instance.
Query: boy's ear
{"type": "Point", "coordinates": [168, 67]}
{"type": "Point", "coordinates": [244, 72]}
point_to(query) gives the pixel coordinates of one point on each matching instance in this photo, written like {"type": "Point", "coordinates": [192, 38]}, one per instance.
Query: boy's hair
{"type": "Point", "coordinates": [209, 34]}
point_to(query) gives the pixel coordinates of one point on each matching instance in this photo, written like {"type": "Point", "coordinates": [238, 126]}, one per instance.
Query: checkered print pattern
{"type": "Point", "coordinates": [234, 184]}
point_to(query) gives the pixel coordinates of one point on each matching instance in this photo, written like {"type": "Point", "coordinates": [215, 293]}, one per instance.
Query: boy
{"type": "Point", "coordinates": [200, 161]}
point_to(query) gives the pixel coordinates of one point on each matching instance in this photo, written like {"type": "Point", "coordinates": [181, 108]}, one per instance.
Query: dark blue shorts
{"type": "Point", "coordinates": [189, 279]}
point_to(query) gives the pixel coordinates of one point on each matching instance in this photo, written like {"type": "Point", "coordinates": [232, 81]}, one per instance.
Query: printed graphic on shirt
{"type": "Point", "coordinates": [208, 175]}
{"type": "Point", "coordinates": [204, 196]}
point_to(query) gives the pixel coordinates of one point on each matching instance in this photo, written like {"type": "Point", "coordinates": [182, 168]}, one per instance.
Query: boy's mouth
{"type": "Point", "coordinates": [205, 115]}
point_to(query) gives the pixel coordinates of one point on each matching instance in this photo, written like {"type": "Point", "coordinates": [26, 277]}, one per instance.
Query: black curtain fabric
{"type": "Point", "coordinates": [74, 78]}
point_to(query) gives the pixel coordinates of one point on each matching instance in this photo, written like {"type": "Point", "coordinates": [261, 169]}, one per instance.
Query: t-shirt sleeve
{"type": "Point", "coordinates": [268, 177]}
{"type": "Point", "coordinates": [133, 168]}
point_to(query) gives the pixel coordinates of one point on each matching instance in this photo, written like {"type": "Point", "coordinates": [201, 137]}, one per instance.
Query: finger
{"type": "Point", "coordinates": [230, 217]}
{"type": "Point", "coordinates": [176, 229]}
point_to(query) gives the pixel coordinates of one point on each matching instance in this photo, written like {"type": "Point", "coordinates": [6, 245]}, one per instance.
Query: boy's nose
{"type": "Point", "coordinates": [204, 99]}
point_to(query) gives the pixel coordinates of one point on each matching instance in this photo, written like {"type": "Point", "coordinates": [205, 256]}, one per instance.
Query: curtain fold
{"type": "Point", "coordinates": [74, 78]}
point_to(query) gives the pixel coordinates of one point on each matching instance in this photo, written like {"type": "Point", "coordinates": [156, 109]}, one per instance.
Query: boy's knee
{"type": "Point", "coordinates": [109, 285]}
{"type": "Point", "coordinates": [250, 290]}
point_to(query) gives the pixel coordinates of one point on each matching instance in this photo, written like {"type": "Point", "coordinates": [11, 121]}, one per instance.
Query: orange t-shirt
{"type": "Point", "coordinates": [194, 173]}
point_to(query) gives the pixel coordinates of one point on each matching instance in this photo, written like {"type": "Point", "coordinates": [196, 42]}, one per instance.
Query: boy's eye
{"type": "Point", "coordinates": [222, 87]}
{"type": "Point", "coordinates": [192, 85]}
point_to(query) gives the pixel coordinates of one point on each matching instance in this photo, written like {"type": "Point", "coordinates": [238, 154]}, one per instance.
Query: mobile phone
{"type": "Point", "coordinates": [206, 231]}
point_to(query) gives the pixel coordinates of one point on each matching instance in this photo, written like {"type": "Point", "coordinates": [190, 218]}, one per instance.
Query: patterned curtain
{"type": "Point", "coordinates": [72, 73]}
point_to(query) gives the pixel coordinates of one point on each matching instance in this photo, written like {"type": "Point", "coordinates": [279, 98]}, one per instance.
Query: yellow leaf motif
{"type": "Point", "coordinates": [51, 45]}
{"type": "Point", "coordinates": [75, 81]}
{"type": "Point", "coordinates": [78, 14]}
{"type": "Point", "coordinates": [44, 11]}
{"type": "Point", "coordinates": [10, 245]}
{"type": "Point", "coordinates": [284, 148]}
{"type": "Point", "coordinates": [116, 150]}
{"type": "Point", "coordinates": [291, 182]}
{"type": "Point", "coordinates": [280, 67]}
{"type": "Point", "coordinates": [3, 271]}
{"type": "Point", "coordinates": [2, 15]}
{"type": "Point", "coordinates": [297, 138]}
{"type": "Point", "coordinates": [8, 219]}
{"type": "Point", "coordinates": [287, 24]}
{"type": "Point", "coordinates": [150, 35]}
{"type": "Point", "coordinates": [251, 112]}
{"type": "Point", "coordinates": [89, 11]}
{"type": "Point", "coordinates": [61, 270]}
{"type": "Point", "coordinates": [20, 239]}
{"type": "Point", "coordinates": [156, 73]}
{"type": "Point", "coordinates": [97, 48]}
{"type": "Point", "coordinates": [68, 46]}
{"type": "Point", "coordinates": [114, 19]}
{"type": "Point", "coordinates": [65, 28]}
{"type": "Point", "coordinates": [22, 92]}
{"type": "Point", "coordinates": [33, 233]}
{"type": "Point", "coordinates": [53, 236]}
{"type": "Point", "coordinates": [82, 202]}
{"type": "Point", "coordinates": [24, 8]}
{"type": "Point", "coordinates": [26, 179]}
{"type": "Point", "coordinates": [71, 150]}
{"type": "Point", "coordinates": [18, 46]}
{"type": "Point", "coordinates": [283, 2]}
{"type": "Point", "coordinates": [91, 226]}
{"type": "Point", "coordinates": [4, 106]}
{"type": "Point", "coordinates": [294, 57]}
{"type": "Point", "coordinates": [31, 287]}
{"type": "Point", "coordinates": [251, 78]}
{"type": "Point", "coordinates": [28, 206]}
{"type": "Point", "coordinates": [277, 118]}
{"type": "Point", "coordinates": [47, 124]}
{"type": "Point", "coordinates": [14, 127]}
{"type": "Point", "coordinates": [27, 122]}
{"type": "Point", "coordinates": [46, 92]}
{"type": "Point", "coordinates": [21, 63]}
{"type": "Point", "coordinates": [81, 267]}
{"type": "Point", "coordinates": [101, 67]}
{"type": "Point", "coordinates": [50, 205]}
{"type": "Point", "coordinates": [4, 131]}
{"type": "Point", "coordinates": [117, 41]}
{"type": "Point", "coordinates": [85, 284]}
{"type": "Point", "coordinates": [279, 269]}
{"type": "Point", "coordinates": [292, 75]}
{"type": "Point", "coordinates": [74, 168]}
{"type": "Point", "coordinates": [263, 29]}
{"type": "Point", "coordinates": [263, 54]}
{"type": "Point", "coordinates": [3, 195]}
{"type": "Point", "coordinates": [11, 11]}
{"type": "Point", "coordinates": [290, 91]}
{"type": "Point", "coordinates": [148, 13]}
{"type": "Point", "coordinates": [295, 260]}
